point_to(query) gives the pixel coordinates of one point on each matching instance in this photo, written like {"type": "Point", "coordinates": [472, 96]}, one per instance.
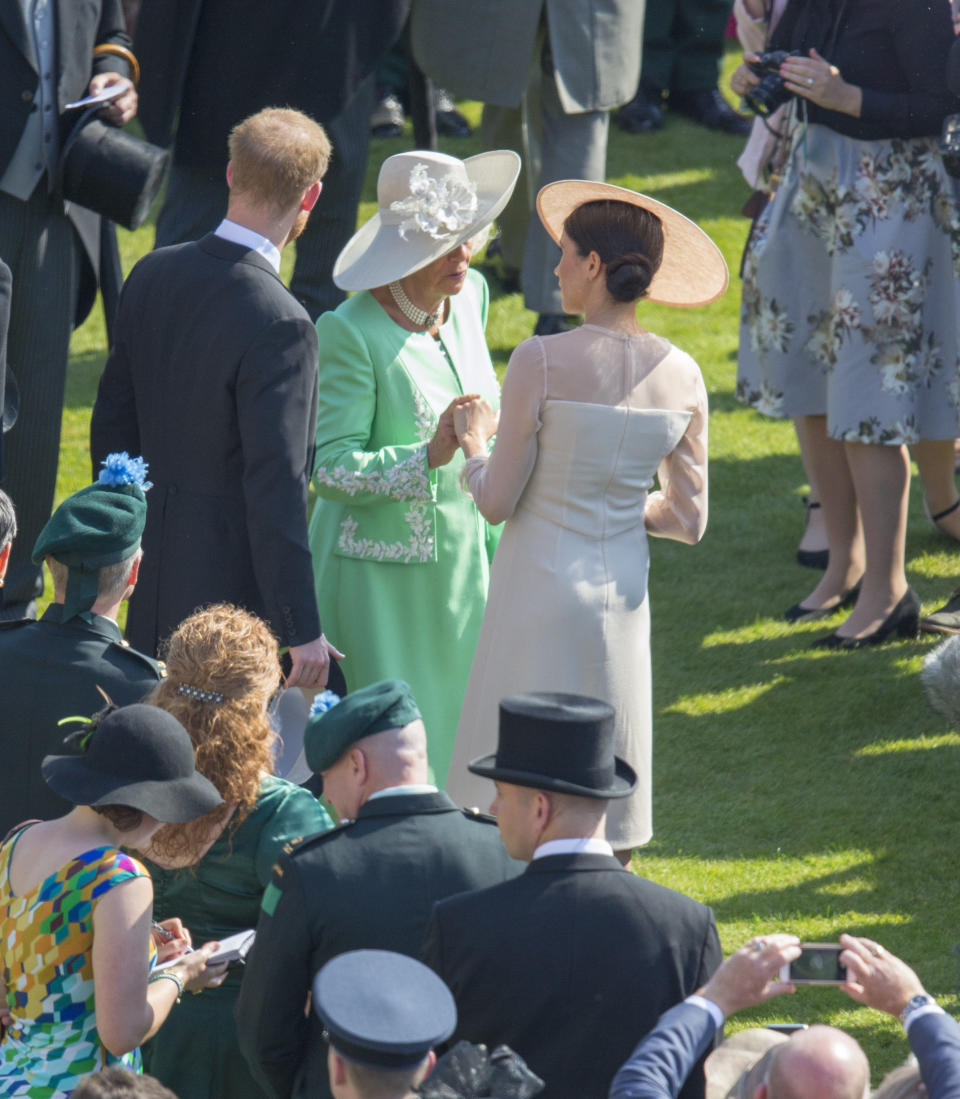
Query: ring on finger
{"type": "Point", "coordinates": [809, 81]}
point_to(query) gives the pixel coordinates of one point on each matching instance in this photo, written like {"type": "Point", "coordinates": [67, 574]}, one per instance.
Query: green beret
{"type": "Point", "coordinates": [388, 704]}
{"type": "Point", "coordinates": [97, 526]}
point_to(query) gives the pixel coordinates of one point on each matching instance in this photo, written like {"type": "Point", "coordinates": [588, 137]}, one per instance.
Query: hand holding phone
{"type": "Point", "coordinates": [818, 964]}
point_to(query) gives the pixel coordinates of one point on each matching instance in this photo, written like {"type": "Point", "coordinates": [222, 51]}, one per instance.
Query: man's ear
{"type": "Point", "coordinates": [761, 1092]}
{"type": "Point", "coordinates": [4, 560]}
{"type": "Point", "coordinates": [338, 1069]}
{"type": "Point", "coordinates": [427, 1067]}
{"type": "Point", "coordinates": [229, 173]}
{"type": "Point", "coordinates": [134, 574]}
{"type": "Point", "coordinates": [310, 195]}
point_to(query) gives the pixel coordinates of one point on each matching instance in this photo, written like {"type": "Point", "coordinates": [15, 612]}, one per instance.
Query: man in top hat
{"type": "Point", "coordinates": [370, 883]}
{"type": "Point", "coordinates": [382, 1013]}
{"type": "Point", "coordinates": [213, 377]}
{"type": "Point", "coordinates": [571, 962]}
{"type": "Point", "coordinates": [820, 1062]}
{"type": "Point", "coordinates": [52, 668]}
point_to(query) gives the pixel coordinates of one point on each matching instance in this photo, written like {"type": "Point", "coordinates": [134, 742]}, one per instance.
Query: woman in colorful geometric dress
{"type": "Point", "coordinates": [851, 308]}
{"type": "Point", "coordinates": [401, 555]}
{"type": "Point", "coordinates": [75, 910]}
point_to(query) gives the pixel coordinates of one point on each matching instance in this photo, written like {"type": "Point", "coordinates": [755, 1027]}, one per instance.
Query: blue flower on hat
{"type": "Point", "coordinates": [121, 469]}
{"type": "Point", "coordinates": [323, 701]}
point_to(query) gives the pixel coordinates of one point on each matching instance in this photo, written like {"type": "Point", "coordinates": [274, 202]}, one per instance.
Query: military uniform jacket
{"type": "Point", "coordinates": [371, 883]}
{"type": "Point", "coordinates": [570, 965]}
{"type": "Point", "coordinates": [48, 670]}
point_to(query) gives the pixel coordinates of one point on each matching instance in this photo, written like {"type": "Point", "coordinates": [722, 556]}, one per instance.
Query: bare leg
{"type": "Point", "coordinates": [935, 460]}
{"type": "Point", "coordinates": [881, 476]}
{"type": "Point", "coordinates": [828, 468]}
{"type": "Point", "coordinates": [815, 532]}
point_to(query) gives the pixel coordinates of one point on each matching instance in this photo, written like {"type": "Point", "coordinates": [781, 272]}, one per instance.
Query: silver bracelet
{"type": "Point", "coordinates": [167, 975]}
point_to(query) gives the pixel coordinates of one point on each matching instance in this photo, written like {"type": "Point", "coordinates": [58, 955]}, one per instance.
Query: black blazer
{"type": "Point", "coordinates": [370, 883]}
{"type": "Point", "coordinates": [570, 965]}
{"type": "Point", "coordinates": [213, 379]}
{"type": "Point", "coordinates": [218, 61]}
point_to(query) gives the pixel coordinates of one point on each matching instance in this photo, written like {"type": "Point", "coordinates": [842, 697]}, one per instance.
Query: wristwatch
{"type": "Point", "coordinates": [922, 999]}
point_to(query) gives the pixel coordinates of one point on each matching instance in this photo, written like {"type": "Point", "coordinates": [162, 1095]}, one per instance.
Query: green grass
{"type": "Point", "coordinates": [800, 791]}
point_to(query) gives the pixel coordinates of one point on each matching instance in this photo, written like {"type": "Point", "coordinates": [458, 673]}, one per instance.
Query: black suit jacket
{"type": "Point", "coordinates": [48, 670]}
{"type": "Point", "coordinates": [213, 379]}
{"type": "Point", "coordinates": [570, 965]}
{"type": "Point", "coordinates": [218, 61]}
{"type": "Point", "coordinates": [370, 883]}
{"type": "Point", "coordinates": [79, 27]}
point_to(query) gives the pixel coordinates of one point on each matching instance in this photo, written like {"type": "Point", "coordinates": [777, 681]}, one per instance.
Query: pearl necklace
{"type": "Point", "coordinates": [415, 315]}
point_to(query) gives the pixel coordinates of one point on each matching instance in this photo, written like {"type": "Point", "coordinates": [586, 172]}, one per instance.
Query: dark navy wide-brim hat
{"type": "Point", "coordinates": [139, 756]}
{"type": "Point", "coordinates": [383, 1009]}
{"type": "Point", "coordinates": [559, 742]}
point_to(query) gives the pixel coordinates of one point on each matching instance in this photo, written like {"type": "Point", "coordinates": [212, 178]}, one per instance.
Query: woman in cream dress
{"type": "Point", "coordinates": [589, 419]}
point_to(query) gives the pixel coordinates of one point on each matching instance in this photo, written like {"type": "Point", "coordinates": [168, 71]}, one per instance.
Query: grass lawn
{"type": "Point", "coordinates": [794, 790]}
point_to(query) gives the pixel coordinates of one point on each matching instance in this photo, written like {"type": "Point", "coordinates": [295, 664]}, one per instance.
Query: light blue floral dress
{"type": "Point", "coordinates": [851, 298]}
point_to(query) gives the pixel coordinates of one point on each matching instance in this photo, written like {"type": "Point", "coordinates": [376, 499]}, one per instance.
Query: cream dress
{"type": "Point", "coordinates": [588, 419]}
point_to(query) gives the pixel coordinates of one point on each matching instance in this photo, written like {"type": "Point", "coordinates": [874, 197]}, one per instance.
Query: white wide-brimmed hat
{"type": "Point", "coordinates": [693, 271]}
{"type": "Point", "coordinates": [428, 203]}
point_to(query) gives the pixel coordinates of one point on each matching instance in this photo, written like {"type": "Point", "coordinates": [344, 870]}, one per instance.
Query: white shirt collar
{"type": "Point", "coordinates": [592, 845]}
{"type": "Point", "coordinates": [393, 791]}
{"type": "Point", "coordinates": [240, 234]}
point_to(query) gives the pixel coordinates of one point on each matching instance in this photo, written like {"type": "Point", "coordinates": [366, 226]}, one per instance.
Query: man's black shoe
{"type": "Point", "coordinates": [710, 109]}
{"type": "Point", "coordinates": [642, 115]}
{"type": "Point", "coordinates": [450, 122]}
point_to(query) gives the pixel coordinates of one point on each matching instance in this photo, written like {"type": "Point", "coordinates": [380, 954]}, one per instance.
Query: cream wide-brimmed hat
{"type": "Point", "coordinates": [428, 203]}
{"type": "Point", "coordinates": [693, 271]}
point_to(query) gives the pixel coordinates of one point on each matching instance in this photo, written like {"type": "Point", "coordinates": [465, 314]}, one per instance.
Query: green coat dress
{"type": "Point", "coordinates": [196, 1053]}
{"type": "Point", "coordinates": [402, 556]}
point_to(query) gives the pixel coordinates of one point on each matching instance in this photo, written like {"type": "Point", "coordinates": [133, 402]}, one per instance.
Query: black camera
{"type": "Point", "coordinates": [950, 144]}
{"type": "Point", "coordinates": [771, 93]}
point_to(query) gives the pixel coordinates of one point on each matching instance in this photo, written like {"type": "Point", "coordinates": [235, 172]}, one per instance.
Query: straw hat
{"type": "Point", "coordinates": [428, 203]}
{"type": "Point", "coordinates": [693, 271]}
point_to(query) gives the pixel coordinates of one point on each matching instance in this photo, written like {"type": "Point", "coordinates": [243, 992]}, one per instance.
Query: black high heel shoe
{"type": "Point", "coordinates": [902, 622]}
{"type": "Point", "coordinates": [800, 613]}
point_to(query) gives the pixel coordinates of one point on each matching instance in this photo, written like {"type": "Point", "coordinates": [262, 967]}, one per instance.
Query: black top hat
{"type": "Point", "coordinates": [139, 756]}
{"type": "Point", "coordinates": [381, 1008]}
{"type": "Point", "coordinates": [559, 742]}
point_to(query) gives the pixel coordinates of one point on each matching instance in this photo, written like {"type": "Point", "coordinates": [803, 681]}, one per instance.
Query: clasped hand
{"type": "Point", "coordinates": [467, 421]}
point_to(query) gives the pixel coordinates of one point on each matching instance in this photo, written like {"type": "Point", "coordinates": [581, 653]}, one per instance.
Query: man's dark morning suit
{"type": "Point", "coordinates": [44, 242]}
{"type": "Point", "coordinates": [657, 1067]}
{"type": "Point", "coordinates": [569, 964]}
{"type": "Point", "coordinates": [369, 883]}
{"type": "Point", "coordinates": [49, 670]}
{"type": "Point", "coordinates": [213, 380]}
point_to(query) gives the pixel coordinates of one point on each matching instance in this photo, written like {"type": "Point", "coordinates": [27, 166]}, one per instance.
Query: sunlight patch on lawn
{"type": "Point", "coordinates": [722, 702]}
{"type": "Point", "coordinates": [910, 744]}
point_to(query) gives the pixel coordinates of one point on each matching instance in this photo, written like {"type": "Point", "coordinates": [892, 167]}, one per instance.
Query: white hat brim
{"type": "Point", "coordinates": [377, 255]}
{"type": "Point", "coordinates": [693, 271]}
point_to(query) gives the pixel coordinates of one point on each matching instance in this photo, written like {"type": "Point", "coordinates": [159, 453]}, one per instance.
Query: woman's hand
{"type": "Point", "coordinates": [168, 948]}
{"type": "Point", "coordinates": [475, 422]}
{"type": "Point", "coordinates": [744, 78]}
{"type": "Point", "coordinates": [444, 443]}
{"type": "Point", "coordinates": [193, 970]}
{"type": "Point", "coordinates": [814, 78]}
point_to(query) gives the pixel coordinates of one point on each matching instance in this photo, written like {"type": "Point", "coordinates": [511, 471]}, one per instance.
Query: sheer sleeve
{"type": "Point", "coordinates": [679, 509]}
{"type": "Point", "coordinates": [497, 482]}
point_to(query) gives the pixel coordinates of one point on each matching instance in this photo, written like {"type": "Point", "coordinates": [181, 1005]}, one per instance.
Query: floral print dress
{"type": "Point", "coordinates": [850, 291]}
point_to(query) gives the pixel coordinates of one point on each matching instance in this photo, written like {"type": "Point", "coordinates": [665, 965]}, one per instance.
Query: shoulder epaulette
{"type": "Point", "coordinates": [473, 813]}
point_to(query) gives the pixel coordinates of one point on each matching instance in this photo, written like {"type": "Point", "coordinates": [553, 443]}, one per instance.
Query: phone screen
{"type": "Point", "coordinates": [818, 963]}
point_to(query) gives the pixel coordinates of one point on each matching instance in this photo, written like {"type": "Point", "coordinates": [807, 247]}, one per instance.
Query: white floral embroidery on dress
{"type": "Point", "coordinates": [407, 480]}
{"type": "Point", "coordinates": [438, 207]}
{"type": "Point", "coordinates": [424, 418]}
{"type": "Point", "coordinates": [418, 548]}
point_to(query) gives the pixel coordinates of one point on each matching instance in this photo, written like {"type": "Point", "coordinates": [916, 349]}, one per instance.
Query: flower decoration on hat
{"type": "Point", "coordinates": [438, 207]}
{"type": "Point", "coordinates": [323, 702]}
{"type": "Point", "coordinates": [79, 739]}
{"type": "Point", "coordinates": [121, 469]}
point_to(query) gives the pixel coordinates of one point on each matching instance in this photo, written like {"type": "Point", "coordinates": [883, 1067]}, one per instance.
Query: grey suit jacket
{"type": "Point", "coordinates": [484, 51]}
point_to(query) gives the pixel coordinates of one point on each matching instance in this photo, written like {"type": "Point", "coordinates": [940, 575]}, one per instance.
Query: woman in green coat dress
{"type": "Point", "coordinates": [400, 551]}
{"type": "Point", "coordinates": [222, 671]}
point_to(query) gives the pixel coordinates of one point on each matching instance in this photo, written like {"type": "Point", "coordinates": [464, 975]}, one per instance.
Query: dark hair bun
{"type": "Point", "coordinates": [629, 276]}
